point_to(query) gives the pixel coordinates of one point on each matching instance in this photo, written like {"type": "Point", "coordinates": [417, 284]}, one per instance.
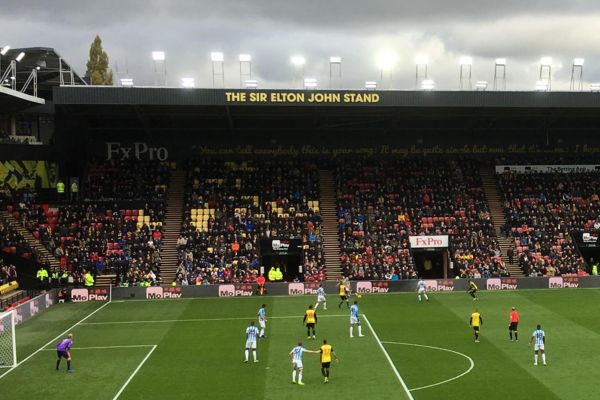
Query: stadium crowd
{"type": "Point", "coordinates": [541, 210]}
{"type": "Point", "coordinates": [382, 203]}
{"type": "Point", "coordinates": [231, 206]}
{"type": "Point", "coordinates": [121, 236]}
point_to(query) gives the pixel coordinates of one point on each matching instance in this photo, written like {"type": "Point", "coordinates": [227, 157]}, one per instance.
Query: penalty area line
{"type": "Point", "coordinates": [55, 339]}
{"type": "Point", "coordinates": [134, 373]}
{"type": "Point", "coordinates": [131, 346]}
{"type": "Point", "coordinates": [166, 321]}
{"type": "Point", "coordinates": [387, 356]}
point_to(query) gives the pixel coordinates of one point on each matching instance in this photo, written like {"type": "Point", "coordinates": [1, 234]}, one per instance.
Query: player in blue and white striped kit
{"type": "Point", "coordinates": [355, 320]}
{"type": "Point", "coordinates": [262, 320]}
{"type": "Point", "coordinates": [539, 337]}
{"type": "Point", "coordinates": [251, 337]}
{"type": "Point", "coordinates": [296, 356]}
{"type": "Point", "coordinates": [421, 290]}
{"type": "Point", "coordinates": [321, 298]}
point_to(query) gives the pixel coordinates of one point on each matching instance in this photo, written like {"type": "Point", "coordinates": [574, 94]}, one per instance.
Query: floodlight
{"type": "Point", "coordinates": [158, 55]}
{"type": "Point", "coordinates": [335, 60]}
{"type": "Point", "coordinates": [546, 61]}
{"type": "Point", "coordinates": [595, 87]}
{"type": "Point", "coordinates": [298, 60]}
{"type": "Point", "coordinates": [578, 62]}
{"type": "Point", "coordinates": [245, 57]}
{"type": "Point", "coordinates": [251, 83]}
{"type": "Point", "coordinates": [541, 86]}
{"type": "Point", "coordinates": [386, 60]}
{"type": "Point", "coordinates": [310, 83]}
{"type": "Point", "coordinates": [4, 50]}
{"type": "Point", "coordinates": [466, 60]}
{"type": "Point", "coordinates": [481, 85]}
{"type": "Point", "coordinates": [126, 82]}
{"type": "Point", "coordinates": [20, 57]}
{"type": "Point", "coordinates": [217, 56]}
{"type": "Point", "coordinates": [501, 61]}
{"type": "Point", "coordinates": [421, 59]}
{"type": "Point", "coordinates": [428, 84]}
{"type": "Point", "coordinates": [188, 82]}
{"type": "Point", "coordinates": [370, 85]}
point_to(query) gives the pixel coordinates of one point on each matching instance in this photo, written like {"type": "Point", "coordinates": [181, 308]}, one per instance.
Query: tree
{"type": "Point", "coordinates": [97, 65]}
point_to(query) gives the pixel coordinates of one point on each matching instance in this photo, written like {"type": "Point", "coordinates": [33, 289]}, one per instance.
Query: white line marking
{"type": "Point", "coordinates": [55, 339]}
{"type": "Point", "coordinates": [163, 321]}
{"type": "Point", "coordinates": [441, 349]}
{"type": "Point", "coordinates": [108, 347]}
{"type": "Point", "coordinates": [135, 372]}
{"type": "Point", "coordinates": [389, 359]}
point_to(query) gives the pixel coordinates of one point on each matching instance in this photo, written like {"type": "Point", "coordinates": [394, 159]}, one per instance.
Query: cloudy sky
{"type": "Point", "coordinates": [359, 31]}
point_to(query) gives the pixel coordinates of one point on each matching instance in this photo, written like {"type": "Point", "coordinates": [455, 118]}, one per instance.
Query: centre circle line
{"type": "Point", "coordinates": [471, 362]}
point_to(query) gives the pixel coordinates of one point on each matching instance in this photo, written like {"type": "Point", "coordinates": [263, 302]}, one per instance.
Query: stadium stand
{"type": "Point", "coordinates": [541, 210]}
{"type": "Point", "coordinates": [115, 229]}
{"type": "Point", "coordinates": [382, 203]}
{"type": "Point", "coordinates": [231, 205]}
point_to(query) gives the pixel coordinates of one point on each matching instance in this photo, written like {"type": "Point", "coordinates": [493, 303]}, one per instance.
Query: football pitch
{"type": "Point", "coordinates": [194, 348]}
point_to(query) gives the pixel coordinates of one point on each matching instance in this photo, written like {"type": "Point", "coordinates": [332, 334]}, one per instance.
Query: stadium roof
{"type": "Point", "coordinates": [13, 99]}
{"type": "Point", "coordinates": [103, 95]}
{"type": "Point", "coordinates": [127, 113]}
{"type": "Point", "coordinates": [49, 63]}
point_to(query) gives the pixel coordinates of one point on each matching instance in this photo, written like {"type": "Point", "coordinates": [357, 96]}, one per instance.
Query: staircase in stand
{"type": "Point", "coordinates": [331, 241]}
{"type": "Point", "coordinates": [172, 226]}
{"type": "Point", "coordinates": [495, 202]}
{"type": "Point", "coordinates": [43, 254]}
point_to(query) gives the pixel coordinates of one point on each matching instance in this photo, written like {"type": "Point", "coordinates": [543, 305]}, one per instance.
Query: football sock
{"type": "Point", "coordinates": [419, 297]}
{"type": "Point", "coordinates": [323, 371]}
{"type": "Point", "coordinates": [69, 365]}
{"type": "Point", "coordinates": [57, 363]}
{"type": "Point", "coordinates": [516, 335]}
{"type": "Point", "coordinates": [359, 330]}
{"type": "Point", "coordinates": [544, 358]}
{"type": "Point", "coordinates": [510, 334]}
{"type": "Point", "coordinates": [299, 376]}
{"type": "Point", "coordinates": [294, 376]}
{"type": "Point", "coordinates": [246, 353]}
{"type": "Point", "coordinates": [254, 354]}
{"type": "Point", "coordinates": [535, 358]}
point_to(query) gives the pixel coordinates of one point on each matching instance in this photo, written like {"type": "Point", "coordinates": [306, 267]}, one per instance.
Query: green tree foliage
{"type": "Point", "coordinates": [97, 65]}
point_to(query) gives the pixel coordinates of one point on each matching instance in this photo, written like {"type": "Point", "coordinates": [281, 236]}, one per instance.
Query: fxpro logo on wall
{"type": "Point", "coordinates": [136, 151]}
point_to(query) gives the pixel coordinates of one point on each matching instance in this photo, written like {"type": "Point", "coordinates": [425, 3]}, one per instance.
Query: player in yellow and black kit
{"type": "Point", "coordinates": [472, 289]}
{"type": "Point", "coordinates": [343, 294]}
{"type": "Point", "coordinates": [326, 353]}
{"type": "Point", "coordinates": [310, 318]}
{"type": "Point", "coordinates": [476, 321]}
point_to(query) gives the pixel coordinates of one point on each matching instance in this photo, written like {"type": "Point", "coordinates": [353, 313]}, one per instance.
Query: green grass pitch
{"type": "Point", "coordinates": [193, 348]}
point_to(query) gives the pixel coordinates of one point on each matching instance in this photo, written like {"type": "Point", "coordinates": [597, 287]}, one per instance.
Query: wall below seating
{"type": "Point", "coordinates": [310, 288]}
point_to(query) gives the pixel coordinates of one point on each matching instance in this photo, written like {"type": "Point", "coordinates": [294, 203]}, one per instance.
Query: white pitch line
{"type": "Point", "coordinates": [164, 321]}
{"type": "Point", "coordinates": [54, 340]}
{"type": "Point", "coordinates": [108, 347]}
{"type": "Point", "coordinates": [134, 372]}
{"type": "Point", "coordinates": [472, 363]}
{"type": "Point", "coordinates": [410, 396]}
